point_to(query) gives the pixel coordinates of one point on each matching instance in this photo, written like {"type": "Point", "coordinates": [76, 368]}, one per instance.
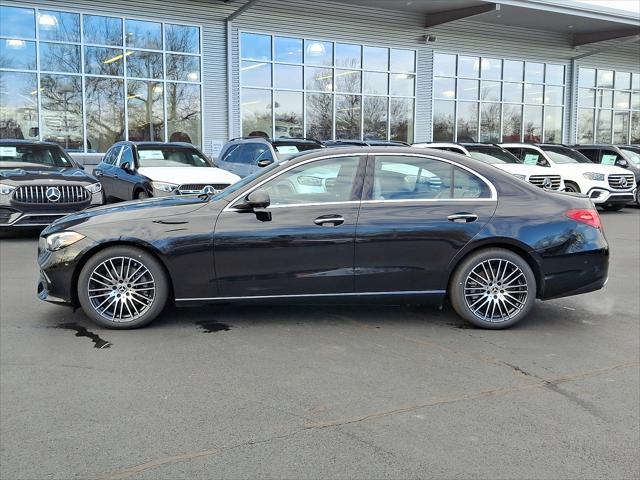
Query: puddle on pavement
{"type": "Point", "coordinates": [83, 332]}
{"type": "Point", "coordinates": [209, 326]}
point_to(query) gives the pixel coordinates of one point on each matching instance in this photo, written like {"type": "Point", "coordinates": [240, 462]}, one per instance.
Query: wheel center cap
{"type": "Point", "coordinates": [122, 288]}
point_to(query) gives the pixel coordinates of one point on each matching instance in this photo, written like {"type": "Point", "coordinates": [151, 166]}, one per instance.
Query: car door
{"type": "Point", "coordinates": [303, 243]}
{"type": "Point", "coordinates": [125, 179]}
{"type": "Point", "coordinates": [417, 213]}
{"type": "Point", "coordinates": [106, 170]}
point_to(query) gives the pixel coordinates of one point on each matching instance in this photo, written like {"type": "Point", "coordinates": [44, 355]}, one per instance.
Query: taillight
{"type": "Point", "coordinates": [590, 217]}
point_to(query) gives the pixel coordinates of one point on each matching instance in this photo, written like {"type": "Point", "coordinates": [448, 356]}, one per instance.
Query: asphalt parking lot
{"type": "Point", "coordinates": [323, 392]}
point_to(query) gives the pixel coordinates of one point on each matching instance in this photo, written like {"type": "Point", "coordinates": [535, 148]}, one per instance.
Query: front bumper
{"type": "Point", "coordinates": [16, 214]}
{"type": "Point", "coordinates": [58, 271]}
{"type": "Point", "coordinates": [603, 196]}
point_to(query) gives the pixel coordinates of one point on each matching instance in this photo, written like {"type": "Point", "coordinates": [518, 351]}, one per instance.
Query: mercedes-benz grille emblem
{"type": "Point", "coordinates": [546, 183]}
{"type": "Point", "coordinates": [53, 194]}
{"type": "Point", "coordinates": [623, 182]}
{"type": "Point", "coordinates": [208, 190]}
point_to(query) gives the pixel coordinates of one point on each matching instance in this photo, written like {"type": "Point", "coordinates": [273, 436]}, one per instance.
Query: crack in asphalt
{"type": "Point", "coordinates": [497, 392]}
{"type": "Point", "coordinates": [549, 383]}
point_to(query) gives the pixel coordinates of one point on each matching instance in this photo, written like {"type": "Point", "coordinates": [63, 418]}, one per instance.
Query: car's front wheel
{"type": "Point", "coordinates": [123, 287]}
{"type": "Point", "coordinates": [493, 288]}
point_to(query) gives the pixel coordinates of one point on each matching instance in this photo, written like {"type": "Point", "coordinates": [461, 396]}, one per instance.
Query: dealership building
{"type": "Point", "coordinates": [88, 73]}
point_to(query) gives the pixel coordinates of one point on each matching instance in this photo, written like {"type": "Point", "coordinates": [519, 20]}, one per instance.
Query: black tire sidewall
{"type": "Point", "coordinates": [571, 187]}
{"type": "Point", "coordinates": [456, 286]}
{"type": "Point", "coordinates": [149, 261]}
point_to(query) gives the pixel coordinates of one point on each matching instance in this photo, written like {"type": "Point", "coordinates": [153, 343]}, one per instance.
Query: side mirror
{"type": "Point", "coordinates": [255, 200]}
{"type": "Point", "coordinates": [621, 162]}
{"type": "Point", "coordinates": [126, 166]}
{"type": "Point", "coordinates": [265, 163]}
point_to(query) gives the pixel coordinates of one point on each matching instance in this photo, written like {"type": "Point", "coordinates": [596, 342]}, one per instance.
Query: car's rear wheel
{"type": "Point", "coordinates": [493, 288]}
{"type": "Point", "coordinates": [613, 208]}
{"type": "Point", "coordinates": [141, 195]}
{"type": "Point", "coordinates": [123, 287]}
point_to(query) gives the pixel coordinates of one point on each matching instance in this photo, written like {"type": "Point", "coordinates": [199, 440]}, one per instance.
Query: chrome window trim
{"type": "Point", "coordinates": [492, 188]}
{"type": "Point", "coordinates": [303, 295]}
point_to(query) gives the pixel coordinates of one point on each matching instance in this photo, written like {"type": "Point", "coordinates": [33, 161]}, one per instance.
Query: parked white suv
{"type": "Point", "coordinates": [609, 186]}
{"type": "Point", "coordinates": [502, 159]}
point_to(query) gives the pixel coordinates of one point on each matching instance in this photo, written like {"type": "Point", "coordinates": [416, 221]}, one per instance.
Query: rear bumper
{"type": "Point", "coordinates": [574, 274]}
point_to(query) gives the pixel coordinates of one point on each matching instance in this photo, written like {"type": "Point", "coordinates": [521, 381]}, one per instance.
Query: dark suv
{"type": "Point", "coordinates": [625, 156]}
{"type": "Point", "coordinates": [245, 155]}
{"type": "Point", "coordinates": [40, 183]}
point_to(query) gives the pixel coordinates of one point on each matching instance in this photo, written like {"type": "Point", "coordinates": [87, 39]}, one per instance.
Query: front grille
{"type": "Point", "coordinates": [621, 181]}
{"type": "Point", "coordinates": [51, 194]}
{"type": "Point", "coordinates": [539, 181]}
{"type": "Point", "coordinates": [191, 188]}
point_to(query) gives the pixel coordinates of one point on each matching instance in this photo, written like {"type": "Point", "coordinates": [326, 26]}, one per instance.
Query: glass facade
{"type": "Point", "coordinates": [88, 81]}
{"type": "Point", "coordinates": [294, 87]}
{"type": "Point", "coordinates": [480, 99]}
{"type": "Point", "coordinates": [608, 106]}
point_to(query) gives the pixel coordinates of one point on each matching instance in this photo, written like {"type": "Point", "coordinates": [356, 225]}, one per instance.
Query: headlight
{"type": "Point", "coordinates": [598, 177]}
{"type": "Point", "coordinates": [6, 189]}
{"type": "Point", "coordinates": [164, 187]}
{"type": "Point", "coordinates": [93, 188]}
{"type": "Point", "coordinates": [521, 177]}
{"type": "Point", "coordinates": [57, 241]}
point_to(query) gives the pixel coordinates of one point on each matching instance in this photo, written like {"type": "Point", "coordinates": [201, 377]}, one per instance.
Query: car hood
{"type": "Point", "coordinates": [522, 169]}
{"type": "Point", "coordinates": [125, 212]}
{"type": "Point", "coordinates": [30, 176]}
{"type": "Point", "coordinates": [184, 175]}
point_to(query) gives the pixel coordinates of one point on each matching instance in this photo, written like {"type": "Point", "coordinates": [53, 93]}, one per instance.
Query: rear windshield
{"type": "Point", "coordinates": [565, 155]}
{"type": "Point", "coordinates": [633, 154]}
{"type": "Point", "coordinates": [492, 155]}
{"type": "Point", "coordinates": [171, 157]}
{"type": "Point", "coordinates": [33, 156]}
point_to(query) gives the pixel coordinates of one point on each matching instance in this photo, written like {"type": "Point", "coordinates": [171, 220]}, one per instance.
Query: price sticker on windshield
{"type": "Point", "coordinates": [609, 159]}
{"type": "Point", "coordinates": [531, 159]}
{"type": "Point", "coordinates": [8, 152]}
{"type": "Point", "coordinates": [150, 155]}
{"type": "Point", "coordinates": [287, 149]}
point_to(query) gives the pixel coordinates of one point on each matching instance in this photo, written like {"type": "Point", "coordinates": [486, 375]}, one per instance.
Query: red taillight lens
{"type": "Point", "coordinates": [590, 217]}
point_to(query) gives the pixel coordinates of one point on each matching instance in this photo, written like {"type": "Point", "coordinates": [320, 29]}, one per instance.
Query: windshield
{"type": "Point", "coordinates": [34, 156]}
{"type": "Point", "coordinates": [565, 155]}
{"type": "Point", "coordinates": [492, 155]}
{"type": "Point", "coordinates": [168, 156]}
{"type": "Point", "coordinates": [632, 154]}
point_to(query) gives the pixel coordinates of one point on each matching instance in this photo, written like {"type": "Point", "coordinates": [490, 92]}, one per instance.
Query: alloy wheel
{"type": "Point", "coordinates": [121, 289]}
{"type": "Point", "coordinates": [496, 290]}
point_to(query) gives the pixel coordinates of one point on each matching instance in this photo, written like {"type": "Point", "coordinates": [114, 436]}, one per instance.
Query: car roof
{"type": "Point", "coordinates": [279, 140]}
{"type": "Point", "coordinates": [11, 141]}
{"type": "Point", "coordinates": [159, 144]}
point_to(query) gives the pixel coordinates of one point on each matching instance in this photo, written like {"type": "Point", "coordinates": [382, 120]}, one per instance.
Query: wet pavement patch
{"type": "Point", "coordinates": [83, 332]}
{"type": "Point", "coordinates": [209, 326]}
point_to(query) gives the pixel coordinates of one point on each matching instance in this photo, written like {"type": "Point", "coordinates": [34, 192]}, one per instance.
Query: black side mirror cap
{"type": "Point", "coordinates": [125, 166]}
{"type": "Point", "coordinates": [621, 162]}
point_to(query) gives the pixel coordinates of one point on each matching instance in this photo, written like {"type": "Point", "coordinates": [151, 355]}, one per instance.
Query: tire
{"type": "Point", "coordinates": [613, 208]}
{"type": "Point", "coordinates": [638, 196]}
{"type": "Point", "coordinates": [141, 195]}
{"type": "Point", "coordinates": [477, 304]}
{"type": "Point", "coordinates": [571, 187]}
{"type": "Point", "coordinates": [100, 287]}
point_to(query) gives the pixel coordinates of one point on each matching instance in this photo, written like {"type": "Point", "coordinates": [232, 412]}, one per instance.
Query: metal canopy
{"type": "Point", "coordinates": [459, 13]}
{"type": "Point", "coordinates": [593, 37]}
{"type": "Point", "coordinates": [548, 15]}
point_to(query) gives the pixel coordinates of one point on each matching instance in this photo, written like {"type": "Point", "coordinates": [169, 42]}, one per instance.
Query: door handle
{"type": "Point", "coordinates": [115, 175]}
{"type": "Point", "coordinates": [97, 173]}
{"type": "Point", "coordinates": [462, 217]}
{"type": "Point", "coordinates": [329, 219]}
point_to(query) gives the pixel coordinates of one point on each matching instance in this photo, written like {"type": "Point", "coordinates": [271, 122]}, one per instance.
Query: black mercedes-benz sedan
{"type": "Point", "coordinates": [40, 183]}
{"type": "Point", "coordinates": [373, 224]}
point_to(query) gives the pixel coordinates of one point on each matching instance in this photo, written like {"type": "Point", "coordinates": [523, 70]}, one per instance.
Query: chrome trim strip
{"type": "Point", "coordinates": [312, 295]}
{"type": "Point", "coordinates": [492, 188]}
{"type": "Point", "coordinates": [27, 215]}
